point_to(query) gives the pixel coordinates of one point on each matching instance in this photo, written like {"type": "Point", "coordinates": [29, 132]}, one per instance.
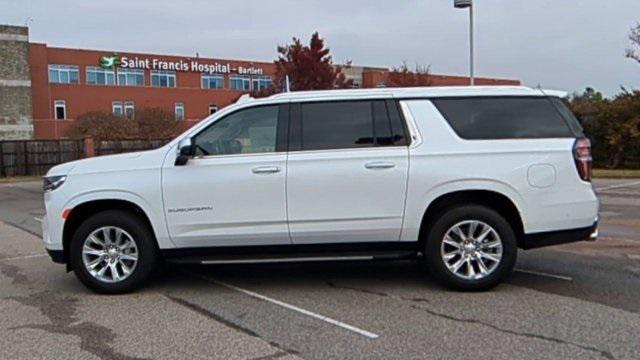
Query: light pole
{"type": "Point", "coordinates": [463, 4]}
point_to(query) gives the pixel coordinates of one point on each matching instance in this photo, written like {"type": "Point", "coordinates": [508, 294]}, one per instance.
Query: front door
{"type": "Point", "coordinates": [346, 172]}
{"type": "Point", "coordinates": [232, 193]}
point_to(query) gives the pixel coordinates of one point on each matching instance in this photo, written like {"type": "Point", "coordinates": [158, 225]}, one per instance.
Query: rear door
{"type": "Point", "coordinates": [346, 172]}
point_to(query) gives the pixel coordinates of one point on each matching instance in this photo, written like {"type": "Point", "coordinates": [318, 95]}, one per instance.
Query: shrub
{"type": "Point", "coordinates": [404, 77]}
{"type": "Point", "coordinates": [613, 125]}
{"type": "Point", "coordinates": [102, 126]}
{"type": "Point", "coordinates": [156, 123]}
{"type": "Point", "coordinates": [148, 123]}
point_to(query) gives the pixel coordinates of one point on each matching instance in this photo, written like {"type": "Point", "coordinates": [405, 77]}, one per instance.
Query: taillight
{"type": "Point", "coordinates": [582, 157]}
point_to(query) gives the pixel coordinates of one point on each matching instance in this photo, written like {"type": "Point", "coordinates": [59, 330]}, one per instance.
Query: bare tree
{"type": "Point", "coordinates": [404, 77]}
{"type": "Point", "coordinates": [633, 52]}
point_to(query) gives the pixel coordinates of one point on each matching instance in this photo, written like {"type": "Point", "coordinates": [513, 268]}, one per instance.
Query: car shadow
{"type": "Point", "coordinates": [408, 273]}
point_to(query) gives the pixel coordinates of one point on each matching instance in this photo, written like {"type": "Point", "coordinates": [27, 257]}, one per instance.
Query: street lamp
{"type": "Point", "coordinates": [463, 4]}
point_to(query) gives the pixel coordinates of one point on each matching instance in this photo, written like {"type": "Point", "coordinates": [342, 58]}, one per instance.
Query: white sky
{"type": "Point", "coordinates": [561, 44]}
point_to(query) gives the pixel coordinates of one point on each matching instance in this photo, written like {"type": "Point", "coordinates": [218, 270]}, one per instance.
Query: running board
{"type": "Point", "coordinates": [286, 258]}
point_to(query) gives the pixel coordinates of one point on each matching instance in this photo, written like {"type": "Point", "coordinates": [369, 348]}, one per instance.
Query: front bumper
{"type": "Point", "coordinates": [54, 249]}
{"type": "Point", "coordinates": [537, 240]}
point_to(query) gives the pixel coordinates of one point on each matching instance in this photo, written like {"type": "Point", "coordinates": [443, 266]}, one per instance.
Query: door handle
{"type": "Point", "coordinates": [265, 169]}
{"type": "Point", "coordinates": [379, 165]}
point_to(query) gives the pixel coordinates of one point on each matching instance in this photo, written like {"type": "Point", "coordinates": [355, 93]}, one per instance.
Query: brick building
{"type": "Point", "coordinates": [43, 89]}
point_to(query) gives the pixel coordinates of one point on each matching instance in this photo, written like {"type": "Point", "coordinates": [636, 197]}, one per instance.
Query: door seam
{"type": "Point", "coordinates": [286, 197]}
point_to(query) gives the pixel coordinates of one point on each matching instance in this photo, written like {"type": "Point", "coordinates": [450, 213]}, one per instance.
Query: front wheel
{"type": "Point", "coordinates": [113, 252]}
{"type": "Point", "coordinates": [471, 247]}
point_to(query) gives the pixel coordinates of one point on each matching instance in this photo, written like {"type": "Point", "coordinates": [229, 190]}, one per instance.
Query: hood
{"type": "Point", "coordinates": [112, 163]}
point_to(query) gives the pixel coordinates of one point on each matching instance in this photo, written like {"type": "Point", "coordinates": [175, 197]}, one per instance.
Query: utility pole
{"type": "Point", "coordinates": [463, 4]}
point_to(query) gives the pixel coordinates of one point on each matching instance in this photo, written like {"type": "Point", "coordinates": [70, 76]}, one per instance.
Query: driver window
{"type": "Point", "coordinates": [243, 132]}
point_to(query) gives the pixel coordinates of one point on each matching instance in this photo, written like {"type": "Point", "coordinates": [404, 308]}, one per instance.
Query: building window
{"type": "Point", "coordinates": [179, 110]}
{"type": "Point", "coordinates": [60, 109]}
{"type": "Point", "coordinates": [131, 77]}
{"type": "Point", "coordinates": [213, 108]}
{"type": "Point", "coordinates": [117, 108]}
{"type": "Point", "coordinates": [129, 110]}
{"type": "Point", "coordinates": [261, 82]}
{"type": "Point", "coordinates": [63, 74]}
{"type": "Point", "coordinates": [100, 76]}
{"type": "Point", "coordinates": [212, 81]}
{"type": "Point", "coordinates": [163, 78]}
{"type": "Point", "coordinates": [240, 82]}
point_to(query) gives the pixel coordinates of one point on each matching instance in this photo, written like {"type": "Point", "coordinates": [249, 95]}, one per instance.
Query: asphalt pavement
{"type": "Point", "coordinates": [572, 301]}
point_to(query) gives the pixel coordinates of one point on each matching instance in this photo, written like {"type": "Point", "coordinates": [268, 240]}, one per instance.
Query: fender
{"type": "Point", "coordinates": [417, 207]}
{"type": "Point", "coordinates": [156, 220]}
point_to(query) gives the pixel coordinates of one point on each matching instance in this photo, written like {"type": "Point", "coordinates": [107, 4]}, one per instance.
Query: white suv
{"type": "Point", "coordinates": [459, 176]}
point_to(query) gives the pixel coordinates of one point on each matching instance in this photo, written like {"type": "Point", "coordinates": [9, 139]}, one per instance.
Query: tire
{"type": "Point", "coordinates": [460, 247]}
{"type": "Point", "coordinates": [119, 226]}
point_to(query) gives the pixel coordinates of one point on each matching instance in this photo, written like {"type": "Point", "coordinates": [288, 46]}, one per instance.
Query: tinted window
{"type": "Point", "coordinates": [398, 128]}
{"type": "Point", "coordinates": [568, 116]}
{"type": "Point", "coordinates": [382, 125]}
{"type": "Point", "coordinates": [503, 118]}
{"type": "Point", "coordinates": [246, 131]}
{"type": "Point", "coordinates": [337, 125]}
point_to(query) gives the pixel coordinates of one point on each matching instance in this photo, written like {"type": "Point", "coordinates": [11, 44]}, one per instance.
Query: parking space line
{"type": "Point", "coordinates": [37, 219]}
{"type": "Point", "coordinates": [23, 257]}
{"type": "Point", "coordinates": [539, 273]}
{"type": "Point", "coordinates": [326, 319]}
{"type": "Point", "coordinates": [604, 188]}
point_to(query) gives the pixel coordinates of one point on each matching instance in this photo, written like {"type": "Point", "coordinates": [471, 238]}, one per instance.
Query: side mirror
{"type": "Point", "coordinates": [185, 152]}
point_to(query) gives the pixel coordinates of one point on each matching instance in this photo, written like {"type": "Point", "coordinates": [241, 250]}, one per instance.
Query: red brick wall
{"type": "Point", "coordinates": [375, 78]}
{"type": "Point", "coordinates": [81, 97]}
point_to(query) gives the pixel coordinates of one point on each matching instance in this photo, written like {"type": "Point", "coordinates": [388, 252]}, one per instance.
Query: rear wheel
{"type": "Point", "coordinates": [113, 252]}
{"type": "Point", "coordinates": [471, 247]}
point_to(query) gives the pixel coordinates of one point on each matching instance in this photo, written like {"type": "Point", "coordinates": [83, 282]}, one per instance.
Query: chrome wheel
{"type": "Point", "coordinates": [471, 249]}
{"type": "Point", "coordinates": [109, 254]}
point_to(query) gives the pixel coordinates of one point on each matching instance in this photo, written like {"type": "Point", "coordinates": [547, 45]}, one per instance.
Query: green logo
{"type": "Point", "coordinates": [109, 62]}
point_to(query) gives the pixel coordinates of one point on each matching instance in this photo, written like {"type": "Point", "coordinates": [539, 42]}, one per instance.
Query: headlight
{"type": "Point", "coordinates": [53, 182]}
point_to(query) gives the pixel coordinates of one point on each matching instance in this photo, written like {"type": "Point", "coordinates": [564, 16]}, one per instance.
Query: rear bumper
{"type": "Point", "coordinates": [536, 240]}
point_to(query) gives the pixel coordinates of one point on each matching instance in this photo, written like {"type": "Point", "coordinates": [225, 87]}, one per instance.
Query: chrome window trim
{"type": "Point", "coordinates": [357, 149]}
{"type": "Point", "coordinates": [234, 156]}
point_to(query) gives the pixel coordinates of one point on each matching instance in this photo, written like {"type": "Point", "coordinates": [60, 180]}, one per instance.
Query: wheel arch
{"type": "Point", "coordinates": [497, 201]}
{"type": "Point", "coordinates": [84, 210]}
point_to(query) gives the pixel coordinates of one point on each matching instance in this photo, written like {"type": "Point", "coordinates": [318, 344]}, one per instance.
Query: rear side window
{"type": "Point", "coordinates": [346, 124]}
{"type": "Point", "coordinates": [336, 125]}
{"type": "Point", "coordinates": [504, 117]}
{"type": "Point", "coordinates": [568, 115]}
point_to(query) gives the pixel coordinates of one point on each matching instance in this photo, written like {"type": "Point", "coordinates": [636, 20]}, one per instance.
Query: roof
{"type": "Point", "coordinates": [444, 91]}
